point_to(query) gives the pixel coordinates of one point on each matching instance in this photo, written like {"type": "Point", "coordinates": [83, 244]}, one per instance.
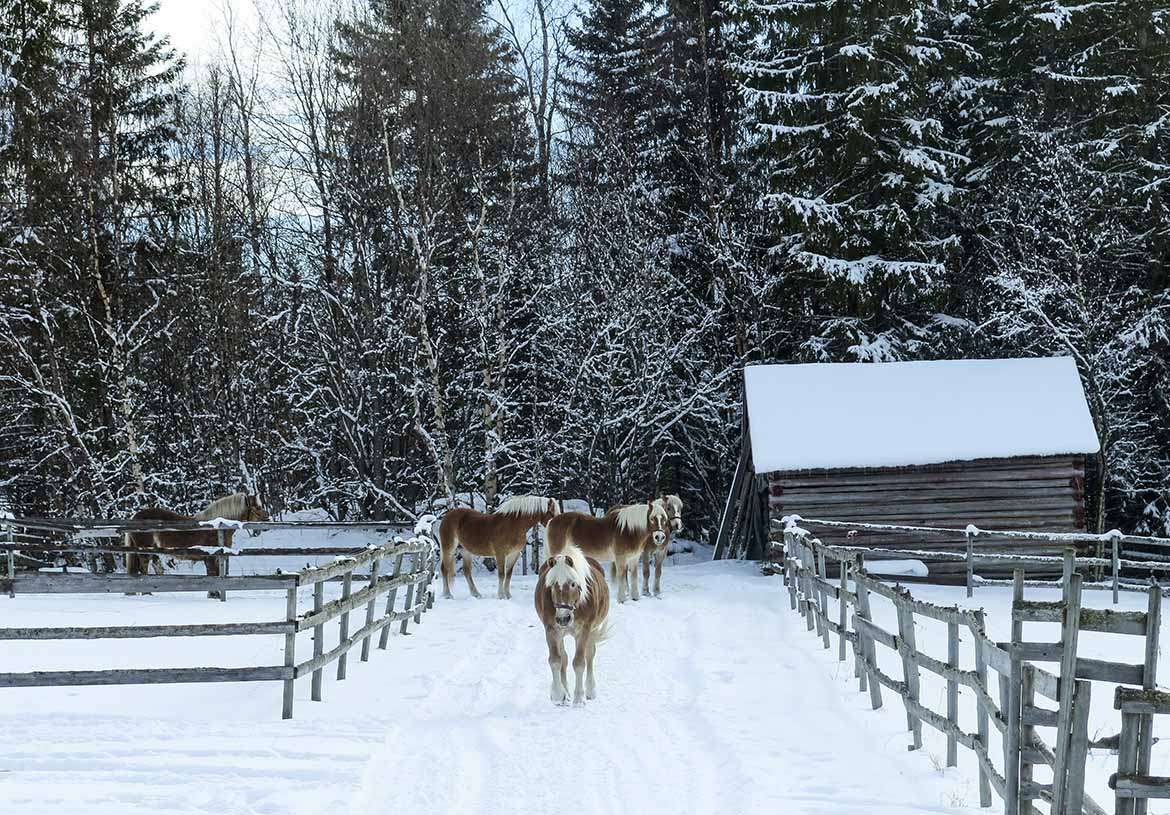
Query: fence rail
{"type": "Point", "coordinates": [413, 569]}
{"type": "Point", "coordinates": [842, 607]}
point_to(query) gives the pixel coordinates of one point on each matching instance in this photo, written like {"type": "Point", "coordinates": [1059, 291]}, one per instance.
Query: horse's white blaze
{"type": "Point", "coordinates": [528, 505]}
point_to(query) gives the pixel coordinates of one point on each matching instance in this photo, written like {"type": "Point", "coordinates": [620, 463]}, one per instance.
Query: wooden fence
{"type": "Point", "coordinates": [413, 567]}
{"type": "Point", "coordinates": [842, 607]}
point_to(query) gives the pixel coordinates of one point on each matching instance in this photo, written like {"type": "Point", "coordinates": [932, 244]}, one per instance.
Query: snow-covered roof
{"type": "Point", "coordinates": [900, 414]}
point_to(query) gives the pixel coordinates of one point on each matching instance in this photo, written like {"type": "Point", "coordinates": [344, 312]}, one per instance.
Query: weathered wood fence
{"type": "Point", "coordinates": [987, 548]}
{"type": "Point", "coordinates": [408, 565]}
{"type": "Point", "coordinates": [843, 607]}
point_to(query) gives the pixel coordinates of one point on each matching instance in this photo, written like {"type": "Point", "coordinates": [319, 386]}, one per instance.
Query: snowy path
{"type": "Point", "coordinates": [713, 699]}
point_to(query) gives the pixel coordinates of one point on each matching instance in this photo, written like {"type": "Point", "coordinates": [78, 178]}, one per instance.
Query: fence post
{"type": "Point", "coordinates": [867, 650]}
{"type": "Point", "coordinates": [1069, 635]}
{"type": "Point", "coordinates": [823, 595]}
{"type": "Point", "coordinates": [1145, 721]}
{"type": "Point", "coordinates": [1079, 749]}
{"type": "Point", "coordinates": [222, 562]}
{"type": "Point", "coordinates": [1127, 758]}
{"type": "Point", "coordinates": [290, 645]}
{"type": "Point", "coordinates": [981, 710]}
{"type": "Point", "coordinates": [806, 570]}
{"type": "Point", "coordinates": [375, 568]}
{"type": "Point", "coordinates": [11, 561]}
{"type": "Point", "coordinates": [318, 638]}
{"type": "Point", "coordinates": [346, 587]}
{"type": "Point", "coordinates": [1027, 735]}
{"type": "Point", "coordinates": [1116, 568]}
{"type": "Point", "coordinates": [970, 565]}
{"type": "Point", "coordinates": [789, 573]}
{"type": "Point", "coordinates": [842, 619]}
{"type": "Point", "coordinates": [953, 691]}
{"type": "Point", "coordinates": [909, 665]}
{"type": "Point", "coordinates": [384, 637]}
{"type": "Point", "coordinates": [409, 592]}
{"type": "Point", "coordinates": [1012, 691]}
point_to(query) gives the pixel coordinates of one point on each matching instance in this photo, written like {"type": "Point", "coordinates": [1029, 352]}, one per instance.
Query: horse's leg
{"type": "Point", "coordinates": [659, 559]}
{"type": "Point", "coordinates": [635, 584]}
{"type": "Point", "coordinates": [556, 691]}
{"type": "Point", "coordinates": [564, 671]}
{"type": "Point", "coordinates": [467, 573]}
{"type": "Point", "coordinates": [510, 564]}
{"type": "Point", "coordinates": [501, 555]}
{"type": "Point", "coordinates": [448, 567]}
{"type": "Point", "coordinates": [580, 658]}
{"type": "Point", "coordinates": [590, 682]}
{"type": "Point", "coordinates": [645, 572]}
{"type": "Point", "coordinates": [622, 585]}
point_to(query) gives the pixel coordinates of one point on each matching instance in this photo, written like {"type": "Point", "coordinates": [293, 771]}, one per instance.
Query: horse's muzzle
{"type": "Point", "coordinates": [563, 617]}
{"type": "Point", "coordinates": [659, 538]}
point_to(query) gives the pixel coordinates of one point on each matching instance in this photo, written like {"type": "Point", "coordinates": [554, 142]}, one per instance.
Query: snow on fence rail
{"type": "Point", "coordinates": [1115, 563]}
{"type": "Point", "coordinates": [416, 579]}
{"type": "Point", "coordinates": [1013, 710]}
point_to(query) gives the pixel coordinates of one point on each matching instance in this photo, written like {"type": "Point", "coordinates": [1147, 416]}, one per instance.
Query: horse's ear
{"type": "Point", "coordinates": [552, 507]}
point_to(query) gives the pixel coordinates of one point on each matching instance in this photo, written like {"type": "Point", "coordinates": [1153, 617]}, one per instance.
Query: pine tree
{"type": "Point", "coordinates": [845, 98]}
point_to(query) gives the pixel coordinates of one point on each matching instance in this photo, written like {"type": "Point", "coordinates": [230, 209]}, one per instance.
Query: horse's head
{"type": "Point", "coordinates": [674, 510]}
{"type": "Point", "coordinates": [254, 510]}
{"type": "Point", "coordinates": [568, 587]}
{"type": "Point", "coordinates": [657, 522]}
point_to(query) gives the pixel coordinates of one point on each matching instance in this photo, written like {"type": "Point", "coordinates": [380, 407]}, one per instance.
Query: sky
{"type": "Point", "coordinates": [189, 23]}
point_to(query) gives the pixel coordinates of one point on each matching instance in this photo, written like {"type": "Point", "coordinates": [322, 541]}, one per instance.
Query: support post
{"type": "Point", "coordinates": [1011, 742]}
{"type": "Point", "coordinates": [290, 646]}
{"type": "Point", "coordinates": [970, 565]}
{"type": "Point", "coordinates": [375, 568]}
{"type": "Point", "coordinates": [842, 610]}
{"type": "Point", "coordinates": [982, 720]}
{"type": "Point", "coordinates": [1116, 568]}
{"type": "Point", "coordinates": [909, 667]}
{"type": "Point", "coordinates": [1069, 635]}
{"type": "Point", "coordinates": [414, 563]}
{"type": "Point", "coordinates": [866, 643]}
{"type": "Point", "coordinates": [1145, 721]}
{"type": "Point", "coordinates": [952, 692]}
{"type": "Point", "coordinates": [384, 637]}
{"type": "Point", "coordinates": [823, 596]}
{"type": "Point", "coordinates": [222, 562]}
{"type": "Point", "coordinates": [346, 588]}
{"type": "Point", "coordinates": [318, 638]}
{"type": "Point", "coordinates": [1027, 735]}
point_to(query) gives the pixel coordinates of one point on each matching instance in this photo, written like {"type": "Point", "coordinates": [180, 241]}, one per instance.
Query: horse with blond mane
{"type": "Point", "coordinates": [498, 534]}
{"type": "Point", "coordinates": [572, 598]}
{"type": "Point", "coordinates": [620, 536]}
{"type": "Point", "coordinates": [239, 506]}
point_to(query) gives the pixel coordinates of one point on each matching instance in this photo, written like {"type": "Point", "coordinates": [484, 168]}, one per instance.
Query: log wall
{"type": "Point", "coordinates": [1034, 494]}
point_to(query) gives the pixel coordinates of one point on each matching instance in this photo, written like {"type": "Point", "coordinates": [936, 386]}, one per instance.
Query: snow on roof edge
{"type": "Point", "coordinates": [906, 414]}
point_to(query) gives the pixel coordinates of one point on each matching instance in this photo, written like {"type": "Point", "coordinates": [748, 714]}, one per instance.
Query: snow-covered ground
{"type": "Point", "coordinates": [712, 699]}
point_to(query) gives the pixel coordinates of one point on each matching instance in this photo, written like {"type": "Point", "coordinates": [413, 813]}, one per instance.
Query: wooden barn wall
{"type": "Point", "coordinates": [1032, 494]}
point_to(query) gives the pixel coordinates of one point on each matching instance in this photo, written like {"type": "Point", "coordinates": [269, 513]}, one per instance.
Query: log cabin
{"type": "Point", "coordinates": [996, 443]}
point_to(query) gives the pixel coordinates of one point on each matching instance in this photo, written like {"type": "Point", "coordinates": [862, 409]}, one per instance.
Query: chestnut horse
{"type": "Point", "coordinates": [620, 536]}
{"type": "Point", "coordinates": [239, 506]}
{"type": "Point", "coordinates": [673, 506]}
{"type": "Point", "coordinates": [499, 534]}
{"type": "Point", "coordinates": [572, 598]}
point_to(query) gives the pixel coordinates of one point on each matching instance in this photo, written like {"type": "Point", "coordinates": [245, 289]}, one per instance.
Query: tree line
{"type": "Point", "coordinates": [373, 255]}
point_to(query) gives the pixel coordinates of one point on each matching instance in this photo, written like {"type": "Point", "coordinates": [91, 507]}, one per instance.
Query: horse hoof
{"type": "Point", "coordinates": [448, 595]}
{"type": "Point", "coordinates": [578, 703]}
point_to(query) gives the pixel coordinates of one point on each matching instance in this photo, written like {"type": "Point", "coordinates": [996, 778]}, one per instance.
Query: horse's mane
{"type": "Point", "coordinates": [229, 506]}
{"type": "Point", "coordinates": [527, 505]}
{"type": "Point", "coordinates": [561, 572]}
{"type": "Point", "coordinates": [632, 518]}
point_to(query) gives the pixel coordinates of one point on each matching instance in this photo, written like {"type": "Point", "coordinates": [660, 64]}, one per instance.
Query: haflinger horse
{"type": "Point", "coordinates": [673, 506]}
{"type": "Point", "coordinates": [620, 536]}
{"type": "Point", "coordinates": [572, 598]}
{"type": "Point", "coordinates": [499, 534]}
{"type": "Point", "coordinates": [239, 506]}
